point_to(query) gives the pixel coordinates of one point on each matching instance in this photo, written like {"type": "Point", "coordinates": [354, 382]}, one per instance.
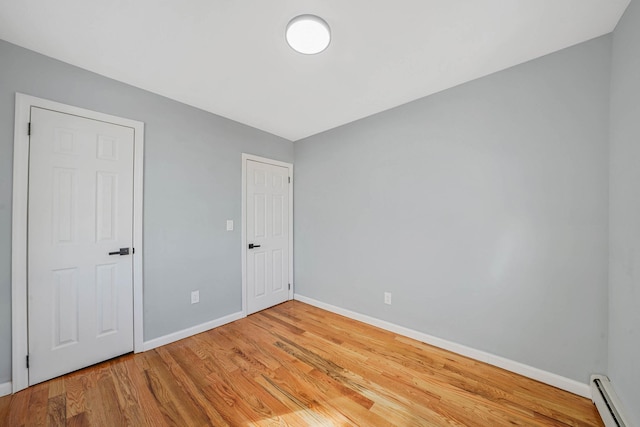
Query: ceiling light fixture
{"type": "Point", "coordinates": [308, 34]}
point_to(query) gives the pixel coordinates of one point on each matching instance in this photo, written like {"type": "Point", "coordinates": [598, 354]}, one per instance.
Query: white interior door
{"type": "Point", "coordinates": [267, 235]}
{"type": "Point", "coordinates": [80, 298]}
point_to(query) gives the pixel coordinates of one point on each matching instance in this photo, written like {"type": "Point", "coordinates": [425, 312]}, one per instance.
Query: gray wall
{"type": "Point", "coordinates": [192, 186]}
{"type": "Point", "coordinates": [624, 267]}
{"type": "Point", "coordinates": [483, 209]}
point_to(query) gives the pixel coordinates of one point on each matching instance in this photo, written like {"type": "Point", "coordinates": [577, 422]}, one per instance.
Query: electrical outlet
{"type": "Point", "coordinates": [387, 298]}
{"type": "Point", "coordinates": [229, 225]}
{"type": "Point", "coordinates": [195, 297]}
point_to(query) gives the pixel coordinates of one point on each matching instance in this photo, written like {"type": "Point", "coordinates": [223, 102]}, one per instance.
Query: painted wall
{"type": "Point", "coordinates": [624, 226]}
{"type": "Point", "coordinates": [482, 209]}
{"type": "Point", "coordinates": [192, 186]}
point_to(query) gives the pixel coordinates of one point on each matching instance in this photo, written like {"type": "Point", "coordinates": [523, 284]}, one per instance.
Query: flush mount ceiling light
{"type": "Point", "coordinates": [308, 34]}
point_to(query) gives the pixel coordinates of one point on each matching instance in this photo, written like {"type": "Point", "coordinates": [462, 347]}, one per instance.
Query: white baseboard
{"type": "Point", "coordinates": [185, 333]}
{"type": "Point", "coordinates": [555, 380]}
{"type": "Point", "coordinates": [5, 388]}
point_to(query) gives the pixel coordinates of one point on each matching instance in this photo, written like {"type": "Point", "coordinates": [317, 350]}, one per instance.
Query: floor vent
{"type": "Point", "coordinates": [607, 402]}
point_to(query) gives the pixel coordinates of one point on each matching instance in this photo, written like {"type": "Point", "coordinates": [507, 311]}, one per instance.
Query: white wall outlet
{"type": "Point", "coordinates": [229, 225]}
{"type": "Point", "coordinates": [195, 297]}
{"type": "Point", "coordinates": [387, 298]}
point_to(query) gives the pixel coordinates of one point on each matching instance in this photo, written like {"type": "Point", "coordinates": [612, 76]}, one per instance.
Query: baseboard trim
{"type": "Point", "coordinates": [5, 388]}
{"type": "Point", "coordinates": [555, 380]}
{"type": "Point", "coordinates": [194, 330]}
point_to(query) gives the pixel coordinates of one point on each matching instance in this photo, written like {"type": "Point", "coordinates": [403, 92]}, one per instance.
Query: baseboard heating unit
{"type": "Point", "coordinates": [605, 399]}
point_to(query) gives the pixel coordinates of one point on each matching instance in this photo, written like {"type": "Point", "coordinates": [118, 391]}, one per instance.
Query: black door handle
{"type": "Point", "coordinates": [251, 246]}
{"type": "Point", "coordinates": [122, 251]}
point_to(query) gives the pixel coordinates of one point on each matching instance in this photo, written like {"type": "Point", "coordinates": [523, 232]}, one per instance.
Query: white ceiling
{"type": "Point", "coordinates": [230, 57]}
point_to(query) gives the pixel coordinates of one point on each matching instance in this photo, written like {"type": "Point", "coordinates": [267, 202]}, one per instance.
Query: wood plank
{"type": "Point", "coordinates": [295, 365]}
{"type": "Point", "coordinates": [5, 403]}
{"type": "Point", "coordinates": [56, 411]}
{"type": "Point", "coordinates": [18, 413]}
{"type": "Point", "coordinates": [79, 420]}
{"type": "Point", "coordinates": [174, 402]}
{"type": "Point", "coordinates": [189, 379]}
{"type": "Point", "coordinates": [75, 390]}
{"type": "Point", "coordinates": [134, 397]}
{"type": "Point", "coordinates": [38, 405]}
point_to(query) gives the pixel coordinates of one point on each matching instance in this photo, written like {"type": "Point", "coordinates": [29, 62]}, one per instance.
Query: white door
{"type": "Point", "coordinates": [80, 297]}
{"type": "Point", "coordinates": [267, 233]}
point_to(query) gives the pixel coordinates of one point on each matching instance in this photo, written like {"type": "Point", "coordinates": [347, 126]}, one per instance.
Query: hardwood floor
{"type": "Point", "coordinates": [300, 366]}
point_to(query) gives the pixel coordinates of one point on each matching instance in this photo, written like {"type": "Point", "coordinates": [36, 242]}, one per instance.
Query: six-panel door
{"type": "Point", "coordinates": [267, 229]}
{"type": "Point", "coordinates": [80, 209]}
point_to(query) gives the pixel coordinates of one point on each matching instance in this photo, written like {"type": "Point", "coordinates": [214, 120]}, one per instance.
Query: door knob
{"type": "Point", "coordinates": [122, 251]}
{"type": "Point", "coordinates": [251, 246]}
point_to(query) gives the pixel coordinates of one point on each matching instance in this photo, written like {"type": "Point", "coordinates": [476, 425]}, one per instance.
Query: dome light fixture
{"type": "Point", "coordinates": [308, 34]}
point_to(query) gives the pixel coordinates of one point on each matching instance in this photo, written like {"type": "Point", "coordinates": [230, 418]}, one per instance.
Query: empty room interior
{"type": "Point", "coordinates": [422, 212]}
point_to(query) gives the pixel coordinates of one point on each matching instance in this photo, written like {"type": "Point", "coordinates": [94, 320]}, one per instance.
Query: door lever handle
{"type": "Point", "coordinates": [122, 251]}
{"type": "Point", "coordinates": [251, 246]}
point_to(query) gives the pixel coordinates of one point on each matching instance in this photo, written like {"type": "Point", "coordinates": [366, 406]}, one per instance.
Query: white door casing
{"type": "Point", "coordinates": [267, 226]}
{"type": "Point", "coordinates": [80, 294]}
{"type": "Point", "coordinates": [103, 272]}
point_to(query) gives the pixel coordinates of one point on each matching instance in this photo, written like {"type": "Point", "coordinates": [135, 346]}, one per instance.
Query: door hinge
{"type": "Point", "coordinates": [289, 180]}
{"type": "Point", "coordinates": [289, 286]}
{"type": "Point", "coordinates": [27, 361]}
{"type": "Point", "coordinates": [29, 129]}
{"type": "Point", "coordinates": [133, 250]}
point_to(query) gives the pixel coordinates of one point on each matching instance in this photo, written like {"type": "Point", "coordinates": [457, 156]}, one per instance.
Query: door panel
{"type": "Point", "coordinates": [65, 199]}
{"type": "Point", "coordinates": [107, 298]}
{"type": "Point", "coordinates": [267, 225]}
{"type": "Point", "coordinates": [106, 202]}
{"type": "Point", "coordinates": [80, 299]}
{"type": "Point", "coordinates": [277, 272]}
{"type": "Point", "coordinates": [65, 307]}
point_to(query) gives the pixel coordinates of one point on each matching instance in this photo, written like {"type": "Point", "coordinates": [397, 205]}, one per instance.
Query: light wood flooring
{"type": "Point", "coordinates": [294, 365]}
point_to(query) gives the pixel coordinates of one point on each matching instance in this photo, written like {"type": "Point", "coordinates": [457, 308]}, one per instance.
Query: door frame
{"type": "Point", "coordinates": [19, 252]}
{"type": "Point", "coordinates": [246, 157]}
